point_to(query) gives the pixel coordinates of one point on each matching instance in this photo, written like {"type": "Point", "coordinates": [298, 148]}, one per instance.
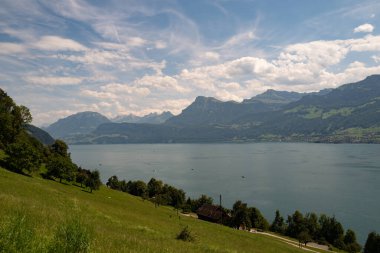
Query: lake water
{"type": "Point", "coordinates": [341, 180]}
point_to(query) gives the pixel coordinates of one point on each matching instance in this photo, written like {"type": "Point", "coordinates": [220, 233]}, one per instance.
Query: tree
{"type": "Point", "coordinates": [351, 245]}
{"type": "Point", "coordinates": [113, 183]}
{"type": "Point", "coordinates": [257, 219]}
{"type": "Point", "coordinates": [93, 181]}
{"type": "Point", "coordinates": [60, 167]}
{"type": "Point", "coordinates": [278, 225]}
{"type": "Point", "coordinates": [137, 188]}
{"type": "Point", "coordinates": [296, 224]}
{"type": "Point", "coordinates": [11, 118]}
{"type": "Point", "coordinates": [154, 187]}
{"type": "Point", "coordinates": [331, 231]}
{"type": "Point", "coordinates": [81, 176]}
{"type": "Point", "coordinates": [197, 203]}
{"type": "Point", "coordinates": [60, 147]}
{"type": "Point", "coordinates": [304, 237]}
{"type": "Point", "coordinates": [240, 215]}
{"type": "Point", "coordinates": [26, 116]}
{"type": "Point", "coordinates": [312, 225]}
{"type": "Point", "coordinates": [22, 156]}
{"type": "Point", "coordinates": [372, 245]}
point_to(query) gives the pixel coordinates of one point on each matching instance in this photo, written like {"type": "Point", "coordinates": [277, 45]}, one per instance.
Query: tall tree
{"type": "Point", "coordinates": [372, 245]}
{"type": "Point", "coordinates": [351, 245]}
{"type": "Point", "coordinates": [154, 187]}
{"type": "Point", "coordinates": [278, 224]}
{"type": "Point", "coordinates": [93, 181]}
{"type": "Point", "coordinates": [240, 215]}
{"type": "Point", "coordinates": [13, 119]}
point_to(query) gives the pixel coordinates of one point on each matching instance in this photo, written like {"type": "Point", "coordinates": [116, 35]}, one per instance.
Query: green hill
{"type": "Point", "coordinates": [118, 222]}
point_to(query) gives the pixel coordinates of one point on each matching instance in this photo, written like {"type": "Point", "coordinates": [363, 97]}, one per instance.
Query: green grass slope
{"type": "Point", "coordinates": [118, 221]}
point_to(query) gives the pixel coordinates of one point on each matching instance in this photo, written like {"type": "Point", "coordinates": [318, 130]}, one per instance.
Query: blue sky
{"type": "Point", "coordinates": [118, 57]}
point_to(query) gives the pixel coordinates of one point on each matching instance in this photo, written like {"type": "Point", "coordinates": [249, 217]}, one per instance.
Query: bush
{"type": "Point", "coordinates": [71, 237]}
{"type": "Point", "coordinates": [186, 235]}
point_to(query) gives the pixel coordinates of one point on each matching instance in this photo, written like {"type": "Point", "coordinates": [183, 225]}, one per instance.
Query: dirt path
{"type": "Point", "coordinates": [311, 245]}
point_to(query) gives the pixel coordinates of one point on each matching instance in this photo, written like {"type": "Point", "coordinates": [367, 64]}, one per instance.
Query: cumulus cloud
{"type": "Point", "coordinates": [53, 80]}
{"type": "Point", "coordinates": [364, 28]}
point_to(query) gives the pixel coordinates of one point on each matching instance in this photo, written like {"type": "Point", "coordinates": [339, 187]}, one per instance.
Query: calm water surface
{"type": "Point", "coordinates": [340, 180]}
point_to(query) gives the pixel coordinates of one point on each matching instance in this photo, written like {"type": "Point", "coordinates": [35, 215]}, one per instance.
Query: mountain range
{"type": "Point", "coordinates": [349, 113]}
{"type": "Point", "coordinates": [151, 118]}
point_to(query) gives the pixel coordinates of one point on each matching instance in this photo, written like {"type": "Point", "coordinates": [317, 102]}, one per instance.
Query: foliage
{"type": "Point", "coordinates": [72, 236]}
{"type": "Point", "coordinates": [113, 183]}
{"type": "Point", "coordinates": [155, 187]}
{"type": "Point", "coordinates": [81, 176]}
{"type": "Point", "coordinates": [296, 224]}
{"type": "Point", "coordinates": [21, 155]}
{"type": "Point", "coordinates": [186, 235]}
{"type": "Point", "coordinates": [372, 244]}
{"type": "Point", "coordinates": [241, 215]}
{"type": "Point", "coordinates": [137, 188]}
{"type": "Point", "coordinates": [278, 224]}
{"type": "Point", "coordinates": [60, 167]}
{"type": "Point", "coordinates": [195, 204]}
{"type": "Point", "coordinates": [304, 237]}
{"type": "Point", "coordinates": [351, 245]}
{"type": "Point", "coordinates": [12, 118]}
{"type": "Point", "coordinates": [257, 219]}
{"type": "Point", "coordinates": [59, 147]}
{"type": "Point", "coordinates": [93, 180]}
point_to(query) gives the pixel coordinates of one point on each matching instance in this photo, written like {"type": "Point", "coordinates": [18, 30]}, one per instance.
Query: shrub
{"type": "Point", "coordinates": [71, 237]}
{"type": "Point", "coordinates": [186, 235]}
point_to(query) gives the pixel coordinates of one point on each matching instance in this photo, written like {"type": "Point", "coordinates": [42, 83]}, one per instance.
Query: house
{"type": "Point", "coordinates": [213, 213]}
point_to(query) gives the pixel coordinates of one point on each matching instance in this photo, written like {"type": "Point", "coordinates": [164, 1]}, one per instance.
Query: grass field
{"type": "Point", "coordinates": [118, 222]}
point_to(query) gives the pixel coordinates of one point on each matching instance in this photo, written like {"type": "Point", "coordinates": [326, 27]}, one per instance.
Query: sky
{"type": "Point", "coordinates": [119, 57]}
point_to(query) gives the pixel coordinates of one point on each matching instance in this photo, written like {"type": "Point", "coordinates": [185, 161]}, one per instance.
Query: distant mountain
{"type": "Point", "coordinates": [80, 123]}
{"type": "Point", "coordinates": [276, 97]}
{"type": "Point", "coordinates": [41, 135]}
{"type": "Point", "coordinates": [152, 118]}
{"type": "Point", "coordinates": [210, 111]}
{"type": "Point", "coordinates": [349, 113]}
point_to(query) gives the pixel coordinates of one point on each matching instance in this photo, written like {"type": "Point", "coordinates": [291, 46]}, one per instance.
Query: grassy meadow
{"type": "Point", "coordinates": [115, 221]}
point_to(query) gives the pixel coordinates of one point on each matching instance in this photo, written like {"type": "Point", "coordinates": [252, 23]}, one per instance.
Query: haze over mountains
{"type": "Point", "coordinates": [350, 113]}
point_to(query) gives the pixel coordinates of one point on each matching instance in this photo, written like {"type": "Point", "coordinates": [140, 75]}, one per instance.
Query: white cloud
{"type": "Point", "coordinates": [368, 43]}
{"type": "Point", "coordinates": [136, 42]}
{"type": "Point", "coordinates": [364, 28]}
{"type": "Point", "coordinates": [95, 56]}
{"type": "Point", "coordinates": [56, 43]}
{"type": "Point", "coordinates": [159, 44]}
{"type": "Point", "coordinates": [11, 48]}
{"type": "Point", "coordinates": [53, 80]}
{"type": "Point", "coordinates": [239, 39]}
{"type": "Point", "coordinates": [166, 83]}
{"type": "Point", "coordinates": [120, 89]}
{"type": "Point", "coordinates": [376, 58]}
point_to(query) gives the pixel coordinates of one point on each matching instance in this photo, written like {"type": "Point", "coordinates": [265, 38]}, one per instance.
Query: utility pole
{"type": "Point", "coordinates": [221, 209]}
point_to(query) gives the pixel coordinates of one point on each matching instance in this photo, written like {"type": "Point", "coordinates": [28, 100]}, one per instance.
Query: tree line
{"type": "Point", "coordinates": [26, 155]}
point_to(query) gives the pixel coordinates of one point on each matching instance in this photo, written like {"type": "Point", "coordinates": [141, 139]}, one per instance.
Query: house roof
{"type": "Point", "coordinates": [210, 211]}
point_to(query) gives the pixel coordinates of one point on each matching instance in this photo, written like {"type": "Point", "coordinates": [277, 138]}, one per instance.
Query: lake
{"type": "Point", "coordinates": [341, 180]}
